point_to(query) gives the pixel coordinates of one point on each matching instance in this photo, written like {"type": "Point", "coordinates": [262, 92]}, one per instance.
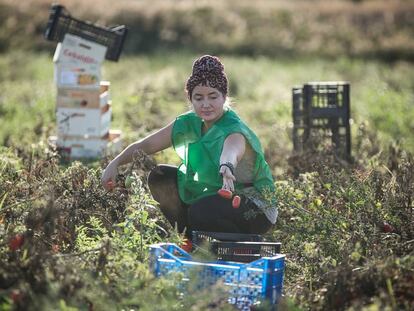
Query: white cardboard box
{"type": "Point", "coordinates": [80, 121]}
{"type": "Point", "coordinates": [78, 51]}
{"type": "Point", "coordinates": [82, 98]}
{"type": "Point", "coordinates": [77, 75]}
{"type": "Point", "coordinates": [78, 147]}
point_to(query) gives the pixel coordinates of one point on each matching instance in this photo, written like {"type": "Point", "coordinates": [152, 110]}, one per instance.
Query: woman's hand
{"type": "Point", "coordinates": [108, 178]}
{"type": "Point", "coordinates": [228, 178]}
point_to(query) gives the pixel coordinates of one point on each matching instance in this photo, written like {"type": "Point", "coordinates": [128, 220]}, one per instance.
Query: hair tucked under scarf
{"type": "Point", "coordinates": [208, 71]}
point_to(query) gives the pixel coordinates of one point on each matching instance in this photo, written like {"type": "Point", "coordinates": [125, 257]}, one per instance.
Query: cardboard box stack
{"type": "Point", "coordinates": [83, 104]}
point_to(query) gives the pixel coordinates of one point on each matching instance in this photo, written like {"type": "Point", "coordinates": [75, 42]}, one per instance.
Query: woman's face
{"type": "Point", "coordinates": [208, 103]}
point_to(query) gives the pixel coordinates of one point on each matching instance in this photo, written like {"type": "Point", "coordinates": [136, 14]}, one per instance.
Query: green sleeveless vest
{"type": "Point", "coordinates": [198, 174]}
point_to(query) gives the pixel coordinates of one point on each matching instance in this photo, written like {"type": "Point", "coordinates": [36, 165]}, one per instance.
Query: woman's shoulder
{"type": "Point", "coordinates": [232, 121]}
{"type": "Point", "coordinates": [235, 124]}
{"type": "Point", "coordinates": [187, 123]}
{"type": "Point", "coordinates": [230, 118]}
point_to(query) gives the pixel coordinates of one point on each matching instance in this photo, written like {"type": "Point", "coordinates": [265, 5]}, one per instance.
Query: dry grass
{"type": "Point", "coordinates": [320, 6]}
{"type": "Point", "coordinates": [374, 28]}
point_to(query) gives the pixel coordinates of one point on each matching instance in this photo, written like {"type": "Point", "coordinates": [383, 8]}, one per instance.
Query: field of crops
{"type": "Point", "coordinates": [347, 229]}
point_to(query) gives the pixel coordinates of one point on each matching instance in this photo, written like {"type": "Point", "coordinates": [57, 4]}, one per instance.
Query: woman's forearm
{"type": "Point", "coordinates": [151, 144]}
{"type": "Point", "coordinates": [229, 156]}
{"type": "Point", "coordinates": [126, 156]}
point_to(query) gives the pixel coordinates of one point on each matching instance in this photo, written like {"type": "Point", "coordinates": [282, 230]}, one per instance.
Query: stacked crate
{"type": "Point", "coordinates": [83, 104]}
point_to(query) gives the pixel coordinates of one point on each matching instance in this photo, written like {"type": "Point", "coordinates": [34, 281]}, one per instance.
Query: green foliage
{"type": "Point", "coordinates": [332, 221]}
{"type": "Point", "coordinates": [77, 253]}
{"type": "Point", "coordinates": [88, 248]}
{"type": "Point", "coordinates": [27, 91]}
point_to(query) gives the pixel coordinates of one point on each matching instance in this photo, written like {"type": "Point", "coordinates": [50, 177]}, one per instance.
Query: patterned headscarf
{"type": "Point", "coordinates": [208, 71]}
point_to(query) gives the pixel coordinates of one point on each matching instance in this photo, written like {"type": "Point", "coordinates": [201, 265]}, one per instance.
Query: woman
{"type": "Point", "coordinates": [218, 151]}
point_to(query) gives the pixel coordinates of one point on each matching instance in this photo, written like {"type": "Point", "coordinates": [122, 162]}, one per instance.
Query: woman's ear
{"type": "Point", "coordinates": [227, 102]}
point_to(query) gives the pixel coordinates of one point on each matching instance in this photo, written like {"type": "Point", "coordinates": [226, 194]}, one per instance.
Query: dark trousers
{"type": "Point", "coordinates": [212, 213]}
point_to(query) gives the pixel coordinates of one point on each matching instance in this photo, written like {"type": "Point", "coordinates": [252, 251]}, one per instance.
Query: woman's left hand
{"type": "Point", "coordinates": [228, 178]}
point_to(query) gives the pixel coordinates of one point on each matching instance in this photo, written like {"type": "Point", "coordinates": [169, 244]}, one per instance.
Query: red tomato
{"type": "Point", "coordinates": [387, 227]}
{"type": "Point", "coordinates": [55, 248]}
{"type": "Point", "coordinates": [16, 296]}
{"type": "Point", "coordinates": [16, 242]}
{"type": "Point", "coordinates": [110, 184]}
{"type": "Point", "coordinates": [236, 201]}
{"type": "Point", "coordinates": [224, 193]}
{"type": "Point", "coordinates": [187, 245]}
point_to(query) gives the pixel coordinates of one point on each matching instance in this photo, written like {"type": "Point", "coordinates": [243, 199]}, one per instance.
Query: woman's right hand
{"type": "Point", "coordinates": [108, 178]}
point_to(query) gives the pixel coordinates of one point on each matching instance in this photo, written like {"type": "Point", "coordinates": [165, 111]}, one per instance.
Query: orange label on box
{"type": "Point", "coordinates": [85, 79]}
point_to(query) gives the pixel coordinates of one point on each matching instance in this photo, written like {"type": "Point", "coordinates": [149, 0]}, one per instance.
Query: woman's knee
{"type": "Point", "coordinates": [196, 216]}
{"type": "Point", "coordinates": [156, 175]}
{"type": "Point", "coordinates": [199, 214]}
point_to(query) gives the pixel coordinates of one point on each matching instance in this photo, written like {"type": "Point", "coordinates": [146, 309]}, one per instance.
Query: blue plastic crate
{"type": "Point", "coordinates": [246, 284]}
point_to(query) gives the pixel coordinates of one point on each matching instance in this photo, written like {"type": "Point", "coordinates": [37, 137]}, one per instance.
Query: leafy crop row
{"type": "Point", "coordinates": [347, 230]}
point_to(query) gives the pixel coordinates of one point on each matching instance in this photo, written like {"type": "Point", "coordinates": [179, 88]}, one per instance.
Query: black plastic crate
{"type": "Point", "coordinates": [200, 237]}
{"type": "Point", "coordinates": [235, 246]}
{"type": "Point", "coordinates": [244, 251]}
{"type": "Point", "coordinates": [321, 112]}
{"type": "Point", "coordinates": [61, 22]}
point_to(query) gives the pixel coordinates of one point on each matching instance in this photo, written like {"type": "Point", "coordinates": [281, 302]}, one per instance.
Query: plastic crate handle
{"type": "Point", "coordinates": [55, 12]}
